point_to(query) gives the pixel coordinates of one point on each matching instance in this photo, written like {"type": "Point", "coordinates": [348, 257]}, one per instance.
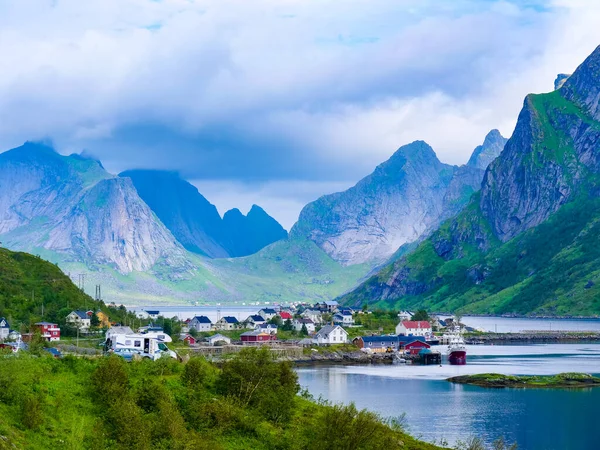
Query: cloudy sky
{"type": "Point", "coordinates": [277, 102]}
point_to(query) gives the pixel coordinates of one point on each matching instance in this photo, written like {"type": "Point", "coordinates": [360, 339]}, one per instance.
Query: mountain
{"type": "Point", "coordinates": [196, 223]}
{"type": "Point", "coordinates": [403, 199]}
{"type": "Point", "coordinates": [526, 242]}
{"type": "Point", "coordinates": [484, 154]}
{"type": "Point", "coordinates": [28, 282]}
{"type": "Point", "coordinates": [248, 234]}
{"type": "Point", "coordinates": [70, 205]}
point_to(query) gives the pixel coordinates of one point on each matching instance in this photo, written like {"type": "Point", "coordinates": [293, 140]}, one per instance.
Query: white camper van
{"type": "Point", "coordinates": [144, 345]}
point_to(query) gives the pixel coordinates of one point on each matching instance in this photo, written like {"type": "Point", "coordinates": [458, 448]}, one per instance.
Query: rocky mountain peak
{"type": "Point", "coordinates": [583, 87]}
{"type": "Point", "coordinates": [560, 80]}
{"type": "Point", "coordinates": [484, 154]}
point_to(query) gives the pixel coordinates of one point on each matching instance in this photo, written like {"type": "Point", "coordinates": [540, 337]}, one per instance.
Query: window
{"type": "Point", "coordinates": [128, 342]}
{"type": "Point", "coordinates": [137, 343]}
{"type": "Point", "coordinates": [334, 338]}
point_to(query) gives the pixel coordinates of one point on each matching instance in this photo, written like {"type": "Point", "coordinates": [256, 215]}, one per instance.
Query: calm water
{"type": "Point", "coordinates": [510, 325]}
{"type": "Point", "coordinates": [540, 419]}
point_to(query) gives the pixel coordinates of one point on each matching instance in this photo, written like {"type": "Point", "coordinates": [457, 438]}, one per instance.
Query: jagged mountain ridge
{"type": "Point", "coordinates": [525, 243]}
{"type": "Point", "coordinates": [403, 199]}
{"type": "Point", "coordinates": [196, 223]}
{"type": "Point", "coordinates": [71, 205]}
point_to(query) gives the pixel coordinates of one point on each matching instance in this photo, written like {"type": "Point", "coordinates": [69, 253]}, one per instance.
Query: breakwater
{"type": "Point", "coordinates": [533, 336]}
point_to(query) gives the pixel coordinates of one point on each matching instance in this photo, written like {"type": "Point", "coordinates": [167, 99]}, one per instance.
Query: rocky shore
{"type": "Point", "coordinates": [338, 357]}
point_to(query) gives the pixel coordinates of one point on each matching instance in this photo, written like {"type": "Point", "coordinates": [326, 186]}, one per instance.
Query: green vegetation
{"type": "Point", "coordinates": [551, 269]}
{"type": "Point", "coordinates": [562, 380]}
{"type": "Point", "coordinates": [249, 402]}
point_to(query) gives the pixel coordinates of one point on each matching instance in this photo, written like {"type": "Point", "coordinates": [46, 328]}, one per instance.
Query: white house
{"type": "Point", "coordinates": [253, 320]}
{"type": "Point", "coordinates": [331, 334]}
{"type": "Point", "coordinates": [266, 328]}
{"type": "Point", "coordinates": [79, 319]}
{"type": "Point", "coordinates": [343, 318]}
{"type": "Point", "coordinates": [414, 327]}
{"type": "Point", "coordinates": [4, 328]}
{"type": "Point", "coordinates": [200, 324]}
{"type": "Point", "coordinates": [404, 315]}
{"type": "Point", "coordinates": [227, 323]}
{"type": "Point", "coordinates": [313, 314]}
{"type": "Point", "coordinates": [212, 340]}
{"type": "Point", "coordinates": [328, 305]}
{"type": "Point", "coordinates": [267, 313]}
{"type": "Point", "coordinates": [310, 325]}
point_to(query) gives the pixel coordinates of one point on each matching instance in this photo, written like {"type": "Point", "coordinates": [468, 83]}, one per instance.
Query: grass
{"type": "Point", "coordinates": [562, 380]}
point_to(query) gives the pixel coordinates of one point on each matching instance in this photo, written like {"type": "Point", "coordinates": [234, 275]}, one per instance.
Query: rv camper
{"type": "Point", "coordinates": [145, 345]}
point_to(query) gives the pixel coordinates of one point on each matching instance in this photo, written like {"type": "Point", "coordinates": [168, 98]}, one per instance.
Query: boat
{"type": "Point", "coordinates": [457, 351]}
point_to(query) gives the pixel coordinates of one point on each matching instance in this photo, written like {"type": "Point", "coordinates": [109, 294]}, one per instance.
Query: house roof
{"type": "Point", "coordinates": [330, 302]}
{"type": "Point", "coordinates": [418, 343]}
{"type": "Point", "coordinates": [303, 320]}
{"type": "Point", "coordinates": [153, 312]}
{"type": "Point", "coordinates": [80, 314]}
{"type": "Point", "coordinates": [218, 337]}
{"type": "Point", "coordinates": [408, 339]}
{"type": "Point", "coordinates": [327, 329]}
{"type": "Point", "coordinates": [229, 319]}
{"type": "Point", "coordinates": [416, 324]}
{"type": "Point", "coordinates": [3, 323]}
{"type": "Point", "coordinates": [267, 325]}
{"type": "Point", "coordinates": [268, 311]}
{"type": "Point", "coordinates": [201, 319]}
{"type": "Point", "coordinates": [256, 318]}
{"type": "Point", "coordinates": [254, 333]}
{"type": "Point", "coordinates": [379, 339]}
{"type": "Point", "coordinates": [285, 315]}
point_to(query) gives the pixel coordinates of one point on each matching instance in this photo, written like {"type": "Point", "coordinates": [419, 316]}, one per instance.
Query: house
{"type": "Point", "coordinates": [267, 313]}
{"type": "Point", "coordinates": [378, 344]}
{"type": "Point", "coordinates": [79, 319]}
{"type": "Point", "coordinates": [298, 323]}
{"type": "Point", "coordinates": [343, 318]}
{"type": "Point", "coordinates": [285, 315]}
{"type": "Point", "coordinates": [328, 306]}
{"type": "Point", "coordinates": [313, 314]}
{"type": "Point", "coordinates": [266, 328]}
{"type": "Point", "coordinates": [254, 320]}
{"type": "Point", "coordinates": [152, 314]}
{"type": "Point", "coordinates": [200, 324]}
{"type": "Point", "coordinates": [114, 331]}
{"type": "Point", "coordinates": [414, 347]}
{"type": "Point", "coordinates": [218, 338]}
{"type": "Point", "coordinates": [330, 334]}
{"type": "Point", "coordinates": [226, 323]}
{"type": "Point", "coordinates": [256, 337]}
{"type": "Point", "coordinates": [404, 315]}
{"type": "Point", "coordinates": [413, 327]}
{"type": "Point", "coordinates": [49, 331]}
{"type": "Point", "coordinates": [4, 328]}
{"type": "Point", "coordinates": [189, 339]}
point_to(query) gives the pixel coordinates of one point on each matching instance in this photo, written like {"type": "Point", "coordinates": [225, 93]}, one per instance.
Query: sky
{"type": "Point", "coordinates": [277, 102]}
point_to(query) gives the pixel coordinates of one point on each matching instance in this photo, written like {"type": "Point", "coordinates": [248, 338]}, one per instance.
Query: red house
{"type": "Point", "coordinates": [256, 337]}
{"type": "Point", "coordinates": [189, 339]}
{"type": "Point", "coordinates": [49, 331]}
{"type": "Point", "coordinates": [416, 346]}
{"type": "Point", "coordinates": [285, 315]}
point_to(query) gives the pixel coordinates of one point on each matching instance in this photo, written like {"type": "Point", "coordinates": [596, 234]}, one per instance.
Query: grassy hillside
{"type": "Point", "coordinates": [285, 271]}
{"type": "Point", "coordinates": [27, 282]}
{"type": "Point", "coordinates": [553, 268]}
{"type": "Point", "coordinates": [248, 403]}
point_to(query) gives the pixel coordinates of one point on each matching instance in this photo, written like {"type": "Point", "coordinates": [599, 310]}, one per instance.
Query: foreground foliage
{"type": "Point", "coordinates": [250, 402]}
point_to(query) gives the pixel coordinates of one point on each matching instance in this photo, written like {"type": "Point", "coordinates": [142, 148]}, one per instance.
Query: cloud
{"type": "Point", "coordinates": [263, 94]}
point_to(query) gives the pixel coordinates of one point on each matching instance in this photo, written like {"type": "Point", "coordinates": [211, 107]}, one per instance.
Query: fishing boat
{"type": "Point", "coordinates": [457, 351]}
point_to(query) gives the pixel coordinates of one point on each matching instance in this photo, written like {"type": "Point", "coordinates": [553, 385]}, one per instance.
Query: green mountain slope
{"type": "Point", "coordinates": [27, 282]}
{"type": "Point", "coordinates": [525, 243]}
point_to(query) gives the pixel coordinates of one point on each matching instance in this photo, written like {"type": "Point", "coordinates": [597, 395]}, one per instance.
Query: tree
{"type": "Point", "coordinates": [304, 330]}
{"type": "Point", "coordinates": [287, 325]}
{"type": "Point", "coordinates": [421, 315]}
{"type": "Point", "coordinates": [276, 320]}
{"type": "Point", "coordinates": [94, 320]}
{"type": "Point", "coordinates": [365, 307]}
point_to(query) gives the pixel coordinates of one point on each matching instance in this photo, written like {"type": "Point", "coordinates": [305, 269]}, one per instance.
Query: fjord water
{"type": "Point", "coordinates": [537, 419]}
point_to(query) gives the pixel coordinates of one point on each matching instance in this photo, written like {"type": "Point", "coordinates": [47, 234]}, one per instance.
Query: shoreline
{"type": "Point", "coordinates": [573, 380]}
{"type": "Point", "coordinates": [533, 337]}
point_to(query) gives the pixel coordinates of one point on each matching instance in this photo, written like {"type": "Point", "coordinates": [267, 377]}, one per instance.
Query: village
{"type": "Point", "coordinates": [303, 331]}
